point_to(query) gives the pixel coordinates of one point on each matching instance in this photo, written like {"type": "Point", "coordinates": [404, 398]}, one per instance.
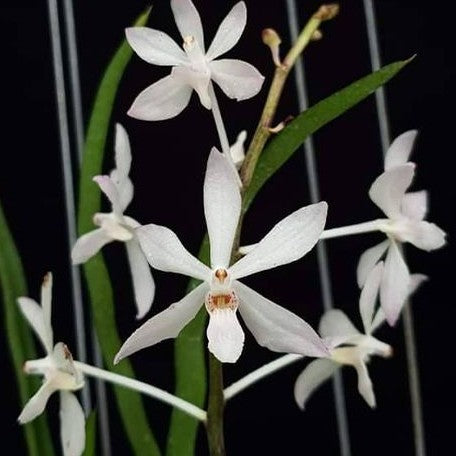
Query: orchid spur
{"type": "Point", "coordinates": [193, 67]}
{"type": "Point", "coordinates": [405, 223]}
{"type": "Point", "coordinates": [116, 226]}
{"type": "Point", "coordinates": [272, 326]}
{"type": "Point", "coordinates": [59, 372]}
{"type": "Point", "coordinates": [349, 346]}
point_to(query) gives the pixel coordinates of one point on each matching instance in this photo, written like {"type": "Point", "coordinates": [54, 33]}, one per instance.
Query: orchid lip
{"type": "Point", "coordinates": [218, 301]}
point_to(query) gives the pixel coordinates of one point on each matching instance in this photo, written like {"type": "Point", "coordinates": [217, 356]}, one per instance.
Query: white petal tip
{"type": "Point", "coordinates": [228, 354]}
{"type": "Point", "coordinates": [225, 335]}
{"type": "Point", "coordinates": [392, 320]}
{"type": "Point", "coordinates": [140, 315]}
{"type": "Point", "coordinates": [119, 357]}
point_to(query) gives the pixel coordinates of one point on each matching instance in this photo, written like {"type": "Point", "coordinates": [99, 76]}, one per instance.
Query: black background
{"type": "Point", "coordinates": [168, 168]}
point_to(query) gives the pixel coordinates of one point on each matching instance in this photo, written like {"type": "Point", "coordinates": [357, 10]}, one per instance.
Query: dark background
{"type": "Point", "coordinates": [168, 167]}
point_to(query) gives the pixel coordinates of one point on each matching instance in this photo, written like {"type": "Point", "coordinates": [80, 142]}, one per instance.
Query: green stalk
{"type": "Point", "coordinates": [263, 130]}
{"type": "Point", "coordinates": [215, 408]}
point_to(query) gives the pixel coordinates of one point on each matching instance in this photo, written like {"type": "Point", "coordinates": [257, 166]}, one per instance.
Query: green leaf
{"type": "Point", "coordinates": [130, 403]}
{"type": "Point", "coordinates": [19, 337]}
{"type": "Point", "coordinates": [282, 146]}
{"type": "Point", "coordinates": [190, 374]}
{"type": "Point", "coordinates": [190, 371]}
{"type": "Point", "coordinates": [91, 435]}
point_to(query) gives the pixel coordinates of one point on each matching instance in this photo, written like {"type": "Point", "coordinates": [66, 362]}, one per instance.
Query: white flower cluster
{"type": "Point", "coordinates": [221, 291]}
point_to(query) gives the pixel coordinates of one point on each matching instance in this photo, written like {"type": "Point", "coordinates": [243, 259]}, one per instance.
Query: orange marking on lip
{"type": "Point", "coordinates": [221, 274]}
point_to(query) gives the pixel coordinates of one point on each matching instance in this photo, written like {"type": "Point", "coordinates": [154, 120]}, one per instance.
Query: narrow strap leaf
{"type": "Point", "coordinates": [19, 338]}
{"type": "Point", "coordinates": [282, 146]}
{"type": "Point", "coordinates": [130, 404]}
{"type": "Point", "coordinates": [91, 434]}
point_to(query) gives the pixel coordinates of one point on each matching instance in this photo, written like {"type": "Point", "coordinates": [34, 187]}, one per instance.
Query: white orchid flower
{"type": "Point", "coordinates": [59, 372]}
{"type": "Point", "coordinates": [116, 226]}
{"type": "Point", "coordinates": [193, 67]}
{"type": "Point", "coordinates": [405, 223]}
{"type": "Point", "coordinates": [349, 346]}
{"type": "Point", "coordinates": [272, 326]}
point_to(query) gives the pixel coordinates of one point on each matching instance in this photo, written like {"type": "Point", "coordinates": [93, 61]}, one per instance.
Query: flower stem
{"type": "Point", "coordinates": [258, 374]}
{"type": "Point", "coordinates": [215, 408]}
{"type": "Point", "coordinates": [263, 130]}
{"type": "Point", "coordinates": [223, 137]}
{"type": "Point", "coordinates": [359, 228]}
{"type": "Point", "coordinates": [143, 388]}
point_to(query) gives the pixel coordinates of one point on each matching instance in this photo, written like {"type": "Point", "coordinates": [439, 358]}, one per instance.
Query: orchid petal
{"type": "Point", "coordinates": [365, 387]}
{"type": "Point", "coordinates": [165, 252]}
{"type": "Point", "coordinates": [238, 79]}
{"type": "Point", "coordinates": [163, 100]}
{"type": "Point", "coordinates": [336, 327]}
{"type": "Point", "coordinates": [165, 325]}
{"type": "Point", "coordinates": [34, 314]}
{"type": "Point", "coordinates": [113, 226]}
{"type": "Point", "coordinates": [123, 151]}
{"type": "Point", "coordinates": [368, 260]}
{"type": "Point", "coordinates": [400, 150]}
{"type": "Point", "coordinates": [155, 47]}
{"type": "Point", "coordinates": [188, 20]}
{"type": "Point", "coordinates": [37, 403]}
{"type": "Point", "coordinates": [378, 320]}
{"type": "Point", "coordinates": [275, 327]}
{"type": "Point", "coordinates": [222, 207]}
{"type": "Point", "coordinates": [394, 288]}
{"type": "Point", "coordinates": [424, 235]}
{"type": "Point", "coordinates": [108, 187]}
{"type": "Point", "coordinates": [46, 305]}
{"type": "Point", "coordinates": [415, 282]}
{"type": "Point", "coordinates": [143, 282]}
{"type": "Point", "coordinates": [415, 204]}
{"type": "Point", "coordinates": [124, 188]}
{"type": "Point", "coordinates": [288, 241]}
{"type": "Point", "coordinates": [72, 425]}
{"type": "Point", "coordinates": [368, 297]}
{"type": "Point", "coordinates": [389, 189]}
{"type": "Point", "coordinates": [229, 31]}
{"type": "Point", "coordinates": [310, 379]}
{"type": "Point", "coordinates": [119, 175]}
{"type": "Point", "coordinates": [88, 245]}
{"type": "Point", "coordinates": [197, 80]}
{"type": "Point", "coordinates": [225, 335]}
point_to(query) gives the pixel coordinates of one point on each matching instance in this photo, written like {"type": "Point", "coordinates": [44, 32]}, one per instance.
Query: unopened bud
{"type": "Point", "coordinates": [316, 36]}
{"type": "Point", "coordinates": [272, 39]}
{"type": "Point", "coordinates": [327, 12]}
